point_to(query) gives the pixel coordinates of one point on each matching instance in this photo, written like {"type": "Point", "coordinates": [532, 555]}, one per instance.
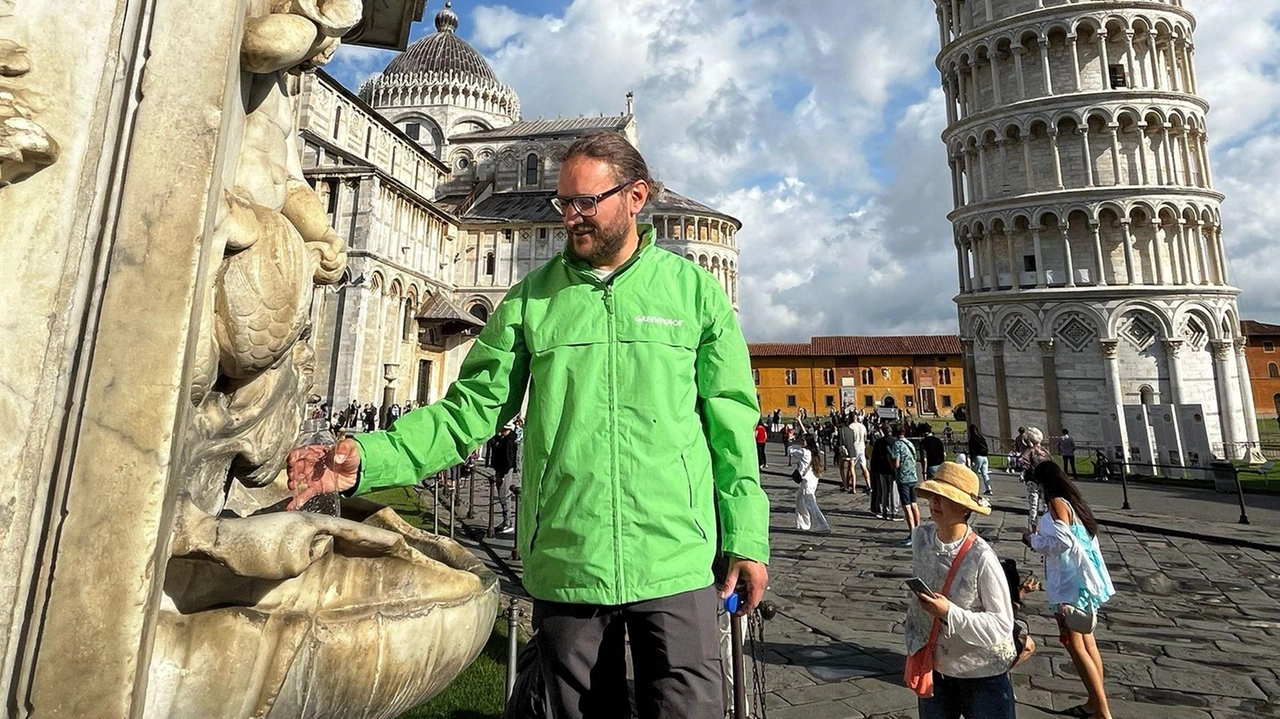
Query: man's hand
{"type": "Point", "coordinates": [754, 575]}
{"type": "Point", "coordinates": [1026, 538]}
{"type": "Point", "coordinates": [317, 469]}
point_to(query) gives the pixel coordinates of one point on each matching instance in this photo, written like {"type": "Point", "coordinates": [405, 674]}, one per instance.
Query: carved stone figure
{"type": "Point", "coordinates": [25, 147]}
{"type": "Point", "coordinates": [289, 614]}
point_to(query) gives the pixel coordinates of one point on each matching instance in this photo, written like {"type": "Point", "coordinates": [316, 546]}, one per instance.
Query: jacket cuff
{"type": "Point", "coordinates": [377, 468]}
{"type": "Point", "coordinates": [742, 533]}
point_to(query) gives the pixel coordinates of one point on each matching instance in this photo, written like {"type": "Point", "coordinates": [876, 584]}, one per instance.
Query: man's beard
{"type": "Point", "coordinates": [606, 242]}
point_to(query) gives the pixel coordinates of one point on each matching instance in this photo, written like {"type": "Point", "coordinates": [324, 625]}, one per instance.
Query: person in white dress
{"type": "Point", "coordinates": [809, 464]}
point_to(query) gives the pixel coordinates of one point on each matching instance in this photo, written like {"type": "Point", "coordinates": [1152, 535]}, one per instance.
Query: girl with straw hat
{"type": "Point", "coordinates": [960, 632]}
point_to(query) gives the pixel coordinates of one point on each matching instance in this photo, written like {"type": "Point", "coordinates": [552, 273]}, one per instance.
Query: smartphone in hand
{"type": "Point", "coordinates": [917, 585]}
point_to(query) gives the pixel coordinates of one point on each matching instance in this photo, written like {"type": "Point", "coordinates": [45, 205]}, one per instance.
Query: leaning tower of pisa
{"type": "Point", "coordinates": [1094, 291]}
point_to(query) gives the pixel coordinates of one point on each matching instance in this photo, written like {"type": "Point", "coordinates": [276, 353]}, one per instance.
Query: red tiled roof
{"type": "Point", "coordinates": [847, 345]}
{"type": "Point", "coordinates": [887, 345]}
{"type": "Point", "coordinates": [778, 349]}
{"type": "Point", "coordinates": [1252, 328]}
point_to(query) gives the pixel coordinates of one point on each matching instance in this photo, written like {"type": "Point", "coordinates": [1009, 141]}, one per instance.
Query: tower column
{"type": "Point", "coordinates": [1246, 394]}
{"type": "Point", "coordinates": [1017, 70]}
{"type": "Point", "coordinates": [1228, 396]}
{"type": "Point", "coordinates": [1026, 160]}
{"type": "Point", "coordinates": [1115, 390]}
{"type": "Point", "coordinates": [1128, 252]}
{"type": "Point", "coordinates": [1002, 393]}
{"type": "Point", "coordinates": [993, 283]}
{"type": "Point", "coordinates": [1044, 65]}
{"type": "Point", "coordinates": [995, 75]}
{"type": "Point", "coordinates": [1065, 229]}
{"type": "Point", "coordinates": [1113, 132]}
{"type": "Point", "coordinates": [1205, 270]}
{"type": "Point", "coordinates": [1075, 60]}
{"type": "Point", "coordinates": [1052, 400]}
{"type": "Point", "coordinates": [1095, 232]}
{"type": "Point", "coordinates": [970, 380]}
{"type": "Point", "coordinates": [1003, 167]}
{"type": "Point", "coordinates": [1142, 154]}
{"type": "Point", "coordinates": [1057, 158]}
{"type": "Point", "coordinates": [1015, 282]}
{"type": "Point", "coordinates": [1041, 280]}
{"type": "Point", "coordinates": [982, 172]}
{"type": "Point", "coordinates": [1103, 59]}
{"type": "Point", "coordinates": [1128, 55]}
{"type": "Point", "coordinates": [1087, 155]}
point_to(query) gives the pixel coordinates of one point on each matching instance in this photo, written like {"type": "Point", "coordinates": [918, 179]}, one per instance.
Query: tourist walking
{"type": "Point", "coordinates": [762, 440]}
{"type": "Point", "coordinates": [503, 461]}
{"type": "Point", "coordinates": [620, 525]}
{"type": "Point", "coordinates": [1075, 579]}
{"type": "Point", "coordinates": [979, 456]}
{"type": "Point", "coordinates": [809, 466]}
{"type": "Point", "coordinates": [882, 491]}
{"type": "Point", "coordinates": [1031, 454]}
{"type": "Point", "coordinates": [851, 449]}
{"type": "Point", "coordinates": [935, 453]}
{"type": "Point", "coordinates": [959, 632]}
{"type": "Point", "coordinates": [1067, 448]}
{"type": "Point", "coordinates": [906, 476]}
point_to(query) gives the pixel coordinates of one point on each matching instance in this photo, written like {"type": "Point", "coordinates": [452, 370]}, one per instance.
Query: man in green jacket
{"type": "Point", "coordinates": [638, 447]}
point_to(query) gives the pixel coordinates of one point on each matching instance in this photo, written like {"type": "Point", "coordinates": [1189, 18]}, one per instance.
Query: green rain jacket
{"type": "Point", "coordinates": [640, 427]}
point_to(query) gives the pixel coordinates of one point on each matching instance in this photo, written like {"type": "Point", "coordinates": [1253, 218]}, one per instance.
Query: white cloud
{"type": "Point", "coordinates": [817, 124]}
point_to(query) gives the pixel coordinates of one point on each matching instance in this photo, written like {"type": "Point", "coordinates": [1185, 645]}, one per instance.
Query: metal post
{"type": "Point", "coordinates": [1124, 483]}
{"type": "Point", "coordinates": [492, 496]}
{"type": "Point", "coordinates": [515, 537]}
{"type": "Point", "coordinates": [435, 504]}
{"type": "Point", "coordinates": [454, 474]}
{"type": "Point", "coordinates": [739, 668]}
{"type": "Point", "coordinates": [471, 493]}
{"type": "Point", "coordinates": [513, 625]}
{"type": "Point", "coordinates": [1244, 517]}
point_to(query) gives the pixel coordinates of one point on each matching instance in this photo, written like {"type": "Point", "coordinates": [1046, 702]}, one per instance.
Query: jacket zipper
{"type": "Point", "coordinates": [613, 442]}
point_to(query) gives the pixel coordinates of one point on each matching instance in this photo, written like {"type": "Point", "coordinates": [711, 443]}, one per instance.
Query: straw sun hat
{"type": "Point", "coordinates": [957, 483]}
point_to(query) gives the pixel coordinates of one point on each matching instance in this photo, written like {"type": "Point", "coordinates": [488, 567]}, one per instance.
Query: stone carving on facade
{"type": "Point", "coordinates": [25, 146]}
{"type": "Point", "coordinates": [251, 624]}
{"type": "Point", "coordinates": [1110, 349]}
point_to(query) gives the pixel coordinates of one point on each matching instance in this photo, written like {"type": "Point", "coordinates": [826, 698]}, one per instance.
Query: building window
{"type": "Point", "coordinates": [828, 376]}
{"type": "Point", "coordinates": [1028, 263]}
{"type": "Point", "coordinates": [908, 376]}
{"type": "Point", "coordinates": [755, 375]}
{"type": "Point", "coordinates": [480, 312]}
{"type": "Point", "coordinates": [393, 159]}
{"type": "Point", "coordinates": [944, 375]}
{"type": "Point", "coordinates": [791, 400]}
{"type": "Point", "coordinates": [1116, 73]}
{"type": "Point", "coordinates": [946, 400]}
{"type": "Point", "coordinates": [1268, 346]}
{"type": "Point", "coordinates": [868, 376]}
{"type": "Point", "coordinates": [368, 142]}
{"type": "Point", "coordinates": [463, 163]}
{"type": "Point", "coordinates": [1273, 370]}
{"type": "Point", "coordinates": [829, 401]}
{"type": "Point", "coordinates": [868, 400]}
{"type": "Point", "coordinates": [507, 235]}
{"type": "Point", "coordinates": [490, 264]}
{"type": "Point", "coordinates": [332, 187]}
{"type": "Point", "coordinates": [791, 377]}
{"type": "Point", "coordinates": [337, 122]}
{"type": "Point", "coordinates": [542, 233]}
{"type": "Point", "coordinates": [910, 401]}
{"type": "Point", "coordinates": [531, 171]}
{"type": "Point", "coordinates": [413, 130]}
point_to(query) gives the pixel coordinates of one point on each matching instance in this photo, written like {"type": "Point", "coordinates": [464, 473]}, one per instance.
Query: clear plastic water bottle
{"type": "Point", "coordinates": [316, 431]}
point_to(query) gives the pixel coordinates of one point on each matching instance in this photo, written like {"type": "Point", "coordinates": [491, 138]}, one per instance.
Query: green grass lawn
{"type": "Point", "coordinates": [479, 691]}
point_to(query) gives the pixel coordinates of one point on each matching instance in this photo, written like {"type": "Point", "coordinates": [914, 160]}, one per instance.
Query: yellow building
{"type": "Point", "coordinates": [922, 374]}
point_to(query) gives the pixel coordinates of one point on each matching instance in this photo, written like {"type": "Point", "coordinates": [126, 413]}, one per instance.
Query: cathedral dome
{"type": "Point", "coordinates": [442, 69]}
{"type": "Point", "coordinates": [442, 52]}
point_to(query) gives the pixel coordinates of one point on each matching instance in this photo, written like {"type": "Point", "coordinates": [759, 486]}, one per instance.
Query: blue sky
{"type": "Point", "coordinates": [816, 122]}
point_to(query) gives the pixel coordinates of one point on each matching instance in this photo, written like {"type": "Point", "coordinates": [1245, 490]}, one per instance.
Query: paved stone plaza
{"type": "Point", "coordinates": [1193, 632]}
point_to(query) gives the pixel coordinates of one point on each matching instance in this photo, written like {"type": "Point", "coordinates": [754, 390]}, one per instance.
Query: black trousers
{"type": "Point", "coordinates": [760, 454]}
{"type": "Point", "coordinates": [675, 652]}
{"type": "Point", "coordinates": [1069, 464]}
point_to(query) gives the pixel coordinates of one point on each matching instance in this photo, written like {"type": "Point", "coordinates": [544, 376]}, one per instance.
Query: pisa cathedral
{"type": "Point", "coordinates": [441, 189]}
{"type": "Point", "coordinates": [1094, 291]}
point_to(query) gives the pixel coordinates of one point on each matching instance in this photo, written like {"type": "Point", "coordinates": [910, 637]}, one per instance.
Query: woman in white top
{"type": "Point", "coordinates": [809, 465]}
{"type": "Point", "coordinates": [974, 648]}
{"type": "Point", "coordinates": [1076, 578]}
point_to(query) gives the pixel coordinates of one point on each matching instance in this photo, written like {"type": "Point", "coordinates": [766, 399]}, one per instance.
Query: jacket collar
{"type": "Point", "coordinates": [584, 270]}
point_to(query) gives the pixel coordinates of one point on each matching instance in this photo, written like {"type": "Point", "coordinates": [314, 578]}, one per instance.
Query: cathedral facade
{"type": "Point", "coordinates": [1094, 291]}
{"type": "Point", "coordinates": [442, 190]}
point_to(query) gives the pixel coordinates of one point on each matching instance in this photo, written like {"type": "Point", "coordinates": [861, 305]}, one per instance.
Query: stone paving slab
{"type": "Point", "coordinates": [1194, 632]}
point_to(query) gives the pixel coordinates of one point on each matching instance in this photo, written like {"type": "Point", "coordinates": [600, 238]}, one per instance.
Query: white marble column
{"type": "Point", "coordinates": [1128, 57]}
{"type": "Point", "coordinates": [1041, 278]}
{"type": "Point", "coordinates": [1113, 132]}
{"type": "Point", "coordinates": [1103, 58]}
{"type": "Point", "coordinates": [1115, 390]}
{"type": "Point", "coordinates": [1015, 283]}
{"type": "Point", "coordinates": [1065, 229]}
{"type": "Point", "coordinates": [1145, 178]}
{"type": "Point", "coordinates": [1057, 157]}
{"type": "Point", "coordinates": [1246, 393]}
{"type": "Point", "coordinates": [1026, 161]}
{"type": "Point", "coordinates": [1099, 267]}
{"type": "Point", "coordinates": [1228, 395]}
{"type": "Point", "coordinates": [1018, 50]}
{"type": "Point", "coordinates": [1128, 252]}
{"type": "Point", "coordinates": [992, 59]}
{"type": "Point", "coordinates": [1087, 155]}
{"type": "Point", "coordinates": [993, 277]}
{"type": "Point", "coordinates": [1075, 60]}
{"type": "Point", "coordinates": [1003, 172]}
{"type": "Point", "coordinates": [985, 193]}
{"type": "Point", "coordinates": [1044, 66]}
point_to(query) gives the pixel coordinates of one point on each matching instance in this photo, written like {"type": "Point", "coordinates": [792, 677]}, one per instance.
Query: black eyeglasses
{"type": "Point", "coordinates": [586, 205]}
